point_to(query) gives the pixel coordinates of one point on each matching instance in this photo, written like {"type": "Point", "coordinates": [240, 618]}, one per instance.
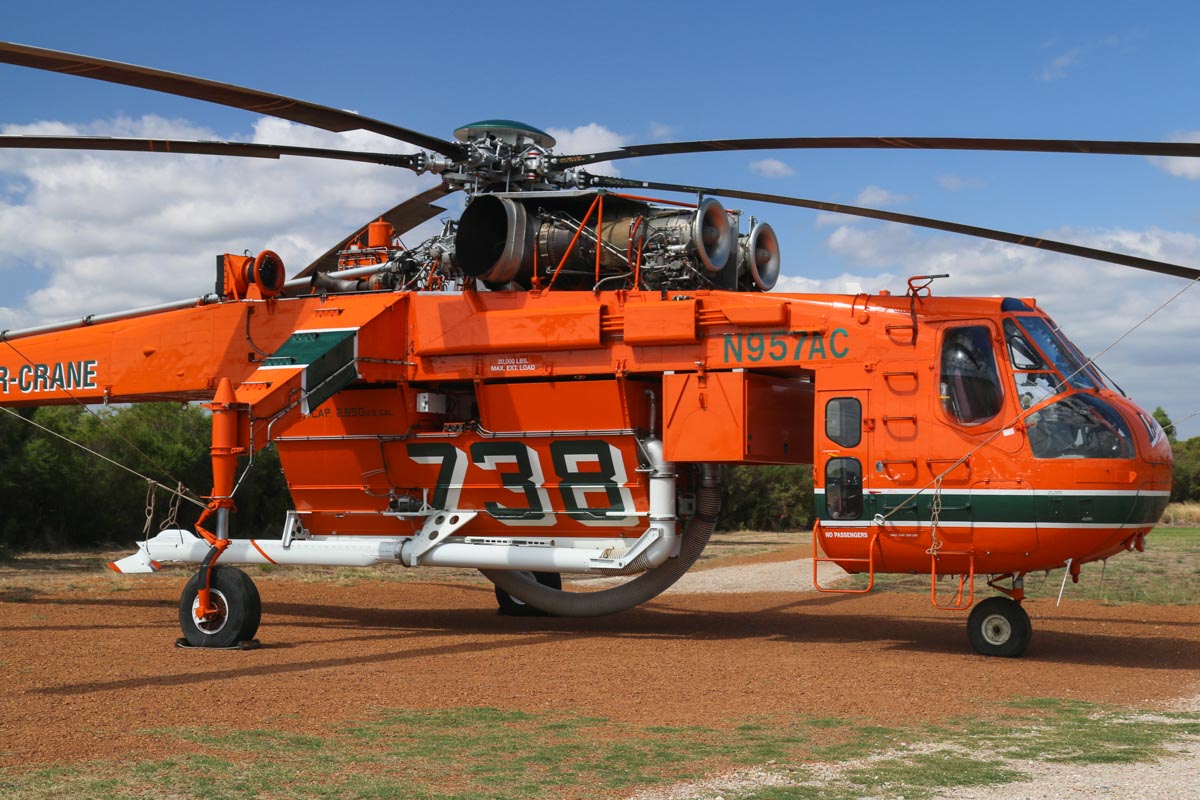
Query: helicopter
{"type": "Point", "coordinates": [552, 384]}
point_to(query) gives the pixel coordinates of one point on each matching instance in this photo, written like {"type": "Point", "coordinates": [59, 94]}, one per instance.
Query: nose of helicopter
{"type": "Point", "coordinates": [1149, 475]}
{"type": "Point", "coordinates": [1153, 446]}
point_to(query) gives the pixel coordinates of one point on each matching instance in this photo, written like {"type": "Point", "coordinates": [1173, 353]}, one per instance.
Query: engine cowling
{"type": "Point", "coordinates": [508, 238]}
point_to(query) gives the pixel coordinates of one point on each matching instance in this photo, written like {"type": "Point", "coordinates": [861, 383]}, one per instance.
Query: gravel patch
{"type": "Point", "coordinates": [778, 576]}
{"type": "Point", "coordinates": [1176, 776]}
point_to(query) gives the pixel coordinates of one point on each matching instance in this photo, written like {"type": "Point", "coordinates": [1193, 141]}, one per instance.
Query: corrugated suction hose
{"type": "Point", "coordinates": [645, 587]}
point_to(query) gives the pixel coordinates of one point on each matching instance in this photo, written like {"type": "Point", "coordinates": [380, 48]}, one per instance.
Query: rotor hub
{"type": "Point", "coordinates": [507, 131]}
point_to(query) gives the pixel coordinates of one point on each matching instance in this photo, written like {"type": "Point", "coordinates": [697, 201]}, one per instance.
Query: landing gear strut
{"type": "Point", "coordinates": [237, 613]}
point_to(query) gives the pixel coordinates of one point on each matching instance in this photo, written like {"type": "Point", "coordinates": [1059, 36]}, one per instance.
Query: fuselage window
{"type": "Point", "coordinates": [970, 384]}
{"type": "Point", "coordinates": [843, 488]}
{"type": "Point", "coordinates": [843, 421]}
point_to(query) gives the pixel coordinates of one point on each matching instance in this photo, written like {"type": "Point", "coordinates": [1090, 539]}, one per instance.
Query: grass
{"type": "Point", "coordinates": [1182, 514]}
{"type": "Point", "coordinates": [476, 753]}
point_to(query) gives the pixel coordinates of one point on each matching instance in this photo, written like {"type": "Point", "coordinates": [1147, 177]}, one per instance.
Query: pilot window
{"type": "Point", "coordinates": [843, 488]}
{"type": "Point", "coordinates": [843, 421]}
{"type": "Point", "coordinates": [1036, 380]}
{"type": "Point", "coordinates": [970, 384]}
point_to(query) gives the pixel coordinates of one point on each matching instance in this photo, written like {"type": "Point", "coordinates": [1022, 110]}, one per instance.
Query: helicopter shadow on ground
{"type": "Point", "coordinates": [255, 669]}
{"type": "Point", "coordinates": [802, 621]}
{"type": "Point", "coordinates": [807, 620]}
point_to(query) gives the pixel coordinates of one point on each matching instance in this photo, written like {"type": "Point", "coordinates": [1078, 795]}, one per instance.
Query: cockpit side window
{"type": "Point", "coordinates": [1065, 358]}
{"type": "Point", "coordinates": [970, 383]}
{"type": "Point", "coordinates": [1036, 380]}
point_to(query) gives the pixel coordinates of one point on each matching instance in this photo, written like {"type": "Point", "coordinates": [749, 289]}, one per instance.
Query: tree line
{"type": "Point", "coordinates": [56, 496]}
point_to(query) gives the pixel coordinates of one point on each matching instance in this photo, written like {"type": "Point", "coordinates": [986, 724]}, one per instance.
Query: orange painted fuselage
{"type": "Point", "coordinates": [529, 407]}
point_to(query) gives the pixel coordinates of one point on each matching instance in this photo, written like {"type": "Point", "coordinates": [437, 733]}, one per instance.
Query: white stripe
{"type": "Point", "coordinates": [833, 524]}
{"type": "Point", "coordinates": [323, 330]}
{"type": "Point", "coordinates": [1084, 493]}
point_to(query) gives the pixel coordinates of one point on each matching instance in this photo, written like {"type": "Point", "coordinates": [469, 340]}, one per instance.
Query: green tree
{"type": "Point", "coordinates": [771, 498]}
{"type": "Point", "coordinates": [1187, 470]}
{"type": "Point", "coordinates": [45, 484]}
{"type": "Point", "coordinates": [56, 495]}
{"type": "Point", "coordinates": [1160, 415]}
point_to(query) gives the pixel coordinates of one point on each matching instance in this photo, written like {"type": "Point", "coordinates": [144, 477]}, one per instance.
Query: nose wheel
{"type": "Point", "coordinates": [999, 626]}
{"type": "Point", "coordinates": [234, 614]}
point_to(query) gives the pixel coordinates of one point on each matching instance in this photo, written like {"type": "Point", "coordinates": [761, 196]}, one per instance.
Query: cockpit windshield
{"type": "Point", "coordinates": [1036, 380]}
{"type": "Point", "coordinates": [1062, 354]}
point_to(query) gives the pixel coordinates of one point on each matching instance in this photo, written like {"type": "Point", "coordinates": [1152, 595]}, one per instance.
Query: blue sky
{"type": "Point", "coordinates": [74, 229]}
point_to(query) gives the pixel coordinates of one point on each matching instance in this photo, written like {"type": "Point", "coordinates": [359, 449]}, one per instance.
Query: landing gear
{"type": "Point", "coordinates": [999, 627]}
{"type": "Point", "coordinates": [238, 609]}
{"type": "Point", "coordinates": [512, 607]}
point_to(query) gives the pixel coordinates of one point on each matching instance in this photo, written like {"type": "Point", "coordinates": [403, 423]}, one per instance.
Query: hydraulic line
{"type": "Point", "coordinates": [645, 587]}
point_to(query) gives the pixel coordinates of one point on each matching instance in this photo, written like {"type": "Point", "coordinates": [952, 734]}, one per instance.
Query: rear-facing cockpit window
{"type": "Point", "coordinates": [1079, 426]}
{"type": "Point", "coordinates": [970, 384]}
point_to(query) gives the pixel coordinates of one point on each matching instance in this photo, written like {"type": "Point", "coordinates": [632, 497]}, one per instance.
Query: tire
{"type": "Point", "coordinates": [240, 609]}
{"type": "Point", "coordinates": [512, 607]}
{"type": "Point", "coordinates": [999, 627]}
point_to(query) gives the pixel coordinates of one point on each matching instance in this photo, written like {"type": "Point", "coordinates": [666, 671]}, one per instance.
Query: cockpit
{"type": "Point", "coordinates": [1056, 387]}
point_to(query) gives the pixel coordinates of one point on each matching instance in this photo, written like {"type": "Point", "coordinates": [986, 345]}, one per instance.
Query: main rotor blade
{"type": "Point", "coordinates": [1177, 149]}
{"type": "Point", "coordinates": [241, 149]}
{"type": "Point", "coordinates": [274, 105]}
{"type": "Point", "coordinates": [404, 217]}
{"type": "Point", "coordinates": [1066, 248]}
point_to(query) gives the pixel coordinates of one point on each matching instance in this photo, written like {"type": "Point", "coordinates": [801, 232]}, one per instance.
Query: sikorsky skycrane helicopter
{"type": "Point", "coordinates": [552, 383]}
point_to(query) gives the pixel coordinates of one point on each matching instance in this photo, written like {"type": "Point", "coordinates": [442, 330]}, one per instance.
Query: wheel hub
{"type": "Point", "coordinates": [996, 629]}
{"type": "Point", "coordinates": [213, 623]}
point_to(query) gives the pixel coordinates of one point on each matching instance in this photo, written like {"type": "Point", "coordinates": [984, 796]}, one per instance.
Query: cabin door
{"type": "Point", "coordinates": [842, 462]}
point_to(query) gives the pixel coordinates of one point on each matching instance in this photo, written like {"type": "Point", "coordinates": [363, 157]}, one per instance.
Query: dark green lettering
{"type": "Point", "coordinates": [733, 347]}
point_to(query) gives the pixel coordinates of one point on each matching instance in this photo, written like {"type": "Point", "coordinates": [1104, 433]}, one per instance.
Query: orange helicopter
{"type": "Point", "coordinates": [551, 384]}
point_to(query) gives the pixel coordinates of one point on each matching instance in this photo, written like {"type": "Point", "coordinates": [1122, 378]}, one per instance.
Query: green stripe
{"type": "Point", "coordinates": [305, 347]}
{"type": "Point", "coordinates": [1019, 507]}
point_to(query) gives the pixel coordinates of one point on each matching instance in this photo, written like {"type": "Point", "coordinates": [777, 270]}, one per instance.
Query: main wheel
{"type": "Point", "coordinates": [239, 609]}
{"type": "Point", "coordinates": [999, 626]}
{"type": "Point", "coordinates": [512, 607]}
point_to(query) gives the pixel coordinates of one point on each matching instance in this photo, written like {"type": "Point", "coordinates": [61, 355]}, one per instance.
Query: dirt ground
{"type": "Point", "coordinates": [87, 661]}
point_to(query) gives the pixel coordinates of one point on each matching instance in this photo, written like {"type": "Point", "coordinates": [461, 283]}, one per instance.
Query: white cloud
{"type": "Point", "coordinates": [661, 132]}
{"type": "Point", "coordinates": [845, 283]}
{"type": "Point", "coordinates": [877, 197]}
{"type": "Point", "coordinates": [957, 183]}
{"type": "Point", "coordinates": [1094, 302]}
{"type": "Point", "coordinates": [1056, 68]}
{"type": "Point", "coordinates": [98, 232]}
{"type": "Point", "coordinates": [590, 138]}
{"type": "Point", "coordinates": [1183, 167]}
{"type": "Point", "coordinates": [771, 168]}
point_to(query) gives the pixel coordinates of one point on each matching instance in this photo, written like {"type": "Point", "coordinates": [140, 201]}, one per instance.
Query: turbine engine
{"type": "Point", "coordinates": [533, 238]}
